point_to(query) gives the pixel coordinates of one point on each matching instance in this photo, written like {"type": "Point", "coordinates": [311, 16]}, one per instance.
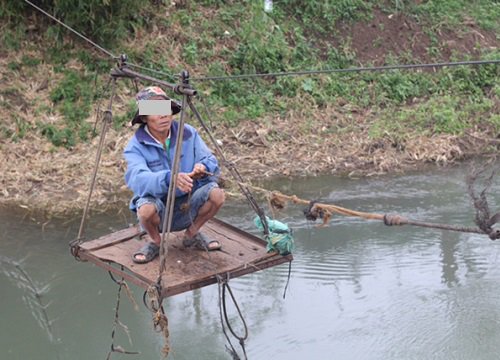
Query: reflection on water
{"type": "Point", "coordinates": [359, 289]}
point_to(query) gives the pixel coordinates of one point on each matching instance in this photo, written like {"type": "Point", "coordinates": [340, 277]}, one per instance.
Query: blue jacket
{"type": "Point", "coordinates": [148, 164]}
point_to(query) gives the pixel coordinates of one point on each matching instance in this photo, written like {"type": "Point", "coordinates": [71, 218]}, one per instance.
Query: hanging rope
{"type": "Point", "coordinates": [170, 201]}
{"type": "Point", "coordinates": [223, 284]}
{"type": "Point", "coordinates": [152, 301]}
{"type": "Point", "coordinates": [153, 297]}
{"type": "Point", "coordinates": [108, 117]}
{"type": "Point", "coordinates": [117, 348]}
{"type": "Point", "coordinates": [287, 279]}
{"type": "Point", "coordinates": [233, 170]}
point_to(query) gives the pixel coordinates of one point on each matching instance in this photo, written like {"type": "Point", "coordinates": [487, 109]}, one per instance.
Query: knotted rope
{"type": "Point", "coordinates": [153, 302]}
{"type": "Point", "coordinates": [117, 348]}
{"type": "Point", "coordinates": [315, 210]}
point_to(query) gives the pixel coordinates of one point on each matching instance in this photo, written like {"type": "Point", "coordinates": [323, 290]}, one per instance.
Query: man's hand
{"type": "Point", "coordinates": [184, 182]}
{"type": "Point", "coordinates": [199, 170]}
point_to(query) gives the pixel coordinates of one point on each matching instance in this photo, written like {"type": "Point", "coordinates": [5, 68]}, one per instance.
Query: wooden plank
{"type": "Point", "coordinates": [111, 239]}
{"type": "Point", "coordinates": [113, 269]}
{"type": "Point", "coordinates": [275, 259]}
{"type": "Point", "coordinates": [187, 268]}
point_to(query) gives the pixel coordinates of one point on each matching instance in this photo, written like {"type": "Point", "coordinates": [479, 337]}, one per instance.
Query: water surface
{"type": "Point", "coordinates": [358, 289]}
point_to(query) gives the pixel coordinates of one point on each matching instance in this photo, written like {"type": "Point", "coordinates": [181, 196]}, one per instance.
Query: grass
{"type": "Point", "coordinates": [447, 114]}
{"type": "Point", "coordinates": [355, 123]}
{"type": "Point", "coordinates": [452, 13]}
{"type": "Point", "coordinates": [73, 97]}
{"type": "Point", "coordinates": [218, 38]}
{"type": "Point", "coordinates": [11, 38]}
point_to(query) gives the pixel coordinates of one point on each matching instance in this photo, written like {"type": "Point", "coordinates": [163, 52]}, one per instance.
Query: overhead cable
{"type": "Point", "coordinates": [73, 30]}
{"type": "Point", "coordinates": [97, 46]}
{"type": "Point", "coordinates": [347, 70]}
{"type": "Point", "coordinates": [152, 70]}
{"type": "Point", "coordinates": [275, 74]}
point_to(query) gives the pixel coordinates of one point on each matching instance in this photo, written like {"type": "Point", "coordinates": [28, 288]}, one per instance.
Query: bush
{"type": "Point", "coordinates": [59, 137]}
{"type": "Point", "coordinates": [262, 48]}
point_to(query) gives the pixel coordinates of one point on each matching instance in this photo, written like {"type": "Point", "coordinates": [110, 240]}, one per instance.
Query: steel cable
{"type": "Point", "coordinates": [348, 70]}
{"type": "Point", "coordinates": [107, 52]}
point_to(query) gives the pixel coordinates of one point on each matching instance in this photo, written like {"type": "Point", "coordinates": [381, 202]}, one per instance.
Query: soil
{"type": "Point", "coordinates": [400, 35]}
{"type": "Point", "coordinates": [37, 176]}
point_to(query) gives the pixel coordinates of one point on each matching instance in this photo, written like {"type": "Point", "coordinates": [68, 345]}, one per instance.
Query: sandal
{"type": "Point", "coordinates": [201, 241]}
{"type": "Point", "coordinates": [149, 251]}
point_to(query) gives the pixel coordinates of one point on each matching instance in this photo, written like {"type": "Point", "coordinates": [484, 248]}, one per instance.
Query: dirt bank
{"type": "Point", "coordinates": [40, 177]}
{"type": "Point", "coordinates": [333, 138]}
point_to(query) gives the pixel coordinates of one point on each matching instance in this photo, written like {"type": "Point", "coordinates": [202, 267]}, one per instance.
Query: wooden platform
{"type": "Point", "coordinates": [187, 268]}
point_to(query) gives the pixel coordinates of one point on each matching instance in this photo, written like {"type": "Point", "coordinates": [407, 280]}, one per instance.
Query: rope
{"type": "Point", "coordinates": [232, 350]}
{"type": "Point", "coordinates": [169, 206]}
{"type": "Point", "coordinates": [288, 278]}
{"type": "Point", "coordinates": [223, 284]}
{"type": "Point", "coordinates": [232, 169]}
{"type": "Point", "coordinates": [154, 292]}
{"type": "Point", "coordinates": [348, 70]}
{"type": "Point", "coordinates": [324, 211]}
{"type": "Point", "coordinates": [108, 115]}
{"type": "Point", "coordinates": [152, 301]}
{"type": "Point", "coordinates": [117, 348]}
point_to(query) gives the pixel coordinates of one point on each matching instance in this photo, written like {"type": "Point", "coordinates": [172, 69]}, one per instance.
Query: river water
{"type": "Point", "coordinates": [358, 289]}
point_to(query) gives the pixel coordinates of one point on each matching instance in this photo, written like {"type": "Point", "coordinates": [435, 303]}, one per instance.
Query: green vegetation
{"type": "Point", "coordinates": [16, 132]}
{"type": "Point", "coordinates": [453, 13]}
{"type": "Point", "coordinates": [11, 38]}
{"type": "Point", "coordinates": [73, 98]}
{"type": "Point", "coordinates": [102, 20]}
{"type": "Point", "coordinates": [121, 119]}
{"type": "Point", "coordinates": [322, 16]}
{"type": "Point", "coordinates": [216, 37]}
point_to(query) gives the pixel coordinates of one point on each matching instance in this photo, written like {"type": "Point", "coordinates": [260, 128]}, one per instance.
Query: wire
{"type": "Point", "coordinates": [152, 70]}
{"type": "Point", "coordinates": [73, 30]}
{"type": "Point", "coordinates": [261, 75]}
{"type": "Point", "coordinates": [355, 69]}
{"type": "Point", "coordinates": [107, 52]}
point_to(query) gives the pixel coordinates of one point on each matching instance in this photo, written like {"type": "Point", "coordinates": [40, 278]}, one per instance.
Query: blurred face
{"type": "Point", "coordinates": [159, 123]}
